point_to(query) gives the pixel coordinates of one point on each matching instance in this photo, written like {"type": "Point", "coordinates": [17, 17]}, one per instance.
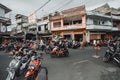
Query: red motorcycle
{"type": "Point", "coordinates": [33, 68]}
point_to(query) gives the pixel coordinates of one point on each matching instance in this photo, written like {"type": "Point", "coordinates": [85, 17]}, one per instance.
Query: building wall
{"type": "Point", "coordinates": [70, 29]}
{"type": "Point", "coordinates": [89, 21]}
{"type": "Point", "coordinates": [97, 27]}
{"type": "Point", "coordinates": [2, 12]}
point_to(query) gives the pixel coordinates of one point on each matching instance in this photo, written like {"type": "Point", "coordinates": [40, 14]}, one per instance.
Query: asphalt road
{"type": "Point", "coordinates": [80, 65]}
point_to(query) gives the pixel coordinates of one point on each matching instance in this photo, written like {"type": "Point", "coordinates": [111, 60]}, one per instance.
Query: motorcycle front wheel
{"type": "Point", "coordinates": [11, 77]}
{"type": "Point", "coordinates": [66, 54]}
{"type": "Point", "coordinates": [106, 57]}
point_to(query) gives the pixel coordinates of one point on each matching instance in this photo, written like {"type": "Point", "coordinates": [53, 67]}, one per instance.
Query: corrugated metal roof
{"type": "Point", "coordinates": [6, 8]}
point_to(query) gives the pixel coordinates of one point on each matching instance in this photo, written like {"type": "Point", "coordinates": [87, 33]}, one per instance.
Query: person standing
{"type": "Point", "coordinates": [97, 47]}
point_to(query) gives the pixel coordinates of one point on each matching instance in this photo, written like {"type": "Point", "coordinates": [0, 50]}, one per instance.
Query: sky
{"type": "Point", "coordinates": [26, 7]}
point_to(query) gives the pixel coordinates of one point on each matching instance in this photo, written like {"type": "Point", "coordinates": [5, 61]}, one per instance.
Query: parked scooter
{"type": "Point", "coordinates": [48, 49]}
{"type": "Point", "coordinates": [113, 53]}
{"type": "Point", "coordinates": [13, 68]}
{"type": "Point", "coordinates": [18, 65]}
{"type": "Point", "coordinates": [34, 67]}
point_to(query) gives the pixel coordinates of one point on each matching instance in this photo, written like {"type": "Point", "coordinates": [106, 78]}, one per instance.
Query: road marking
{"type": "Point", "coordinates": [81, 62]}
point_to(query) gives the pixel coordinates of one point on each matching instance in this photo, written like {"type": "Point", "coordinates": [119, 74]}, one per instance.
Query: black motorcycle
{"type": "Point", "coordinates": [113, 53]}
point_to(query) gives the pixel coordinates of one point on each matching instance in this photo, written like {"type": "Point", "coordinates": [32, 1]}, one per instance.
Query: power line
{"type": "Point", "coordinates": [65, 4]}
{"type": "Point", "coordinates": [39, 8]}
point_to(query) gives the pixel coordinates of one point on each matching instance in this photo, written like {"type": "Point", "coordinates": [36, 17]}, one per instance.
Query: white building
{"type": "Point", "coordinates": [4, 22]}
{"type": "Point", "coordinates": [43, 27]}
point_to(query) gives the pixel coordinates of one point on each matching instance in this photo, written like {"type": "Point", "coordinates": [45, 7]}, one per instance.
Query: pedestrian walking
{"type": "Point", "coordinates": [82, 45]}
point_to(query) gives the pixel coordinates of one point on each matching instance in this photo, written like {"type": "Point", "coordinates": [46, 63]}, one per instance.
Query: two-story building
{"type": "Point", "coordinates": [43, 27]}
{"type": "Point", "coordinates": [22, 25]}
{"type": "Point", "coordinates": [70, 23]}
{"type": "Point", "coordinates": [115, 17]}
{"type": "Point", "coordinates": [31, 33]}
{"type": "Point", "coordinates": [4, 22]}
{"type": "Point", "coordinates": [97, 26]}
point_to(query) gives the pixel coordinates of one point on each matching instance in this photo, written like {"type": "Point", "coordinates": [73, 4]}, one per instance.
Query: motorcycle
{"type": "Point", "coordinates": [57, 51]}
{"type": "Point", "coordinates": [33, 67]}
{"type": "Point", "coordinates": [17, 66]}
{"type": "Point", "coordinates": [113, 53]}
{"type": "Point", "coordinates": [13, 68]}
{"type": "Point", "coordinates": [48, 49]}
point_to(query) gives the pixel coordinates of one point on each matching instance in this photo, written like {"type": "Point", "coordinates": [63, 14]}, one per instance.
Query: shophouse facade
{"type": "Point", "coordinates": [22, 24]}
{"type": "Point", "coordinates": [97, 26]}
{"type": "Point", "coordinates": [4, 22]}
{"type": "Point", "coordinates": [78, 24]}
{"type": "Point", "coordinates": [70, 23]}
{"type": "Point", "coordinates": [43, 27]}
{"type": "Point", "coordinates": [115, 17]}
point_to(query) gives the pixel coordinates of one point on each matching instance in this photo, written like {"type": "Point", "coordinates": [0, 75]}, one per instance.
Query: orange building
{"type": "Point", "coordinates": [70, 23]}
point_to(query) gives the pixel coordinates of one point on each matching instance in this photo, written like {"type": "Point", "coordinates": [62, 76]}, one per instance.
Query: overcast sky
{"type": "Point", "coordinates": [27, 7]}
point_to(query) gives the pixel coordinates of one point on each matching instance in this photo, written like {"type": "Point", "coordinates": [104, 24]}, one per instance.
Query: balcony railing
{"type": "Point", "coordinates": [19, 20]}
{"type": "Point", "coordinates": [32, 27]}
{"type": "Point", "coordinates": [115, 29]}
{"type": "Point", "coordinates": [25, 25]}
{"type": "Point", "coordinates": [46, 31]}
{"type": "Point", "coordinates": [98, 27]}
{"type": "Point", "coordinates": [68, 27]}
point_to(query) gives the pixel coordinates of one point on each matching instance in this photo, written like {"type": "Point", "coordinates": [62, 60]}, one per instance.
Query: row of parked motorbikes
{"type": "Point", "coordinates": [26, 62]}
{"type": "Point", "coordinates": [113, 52]}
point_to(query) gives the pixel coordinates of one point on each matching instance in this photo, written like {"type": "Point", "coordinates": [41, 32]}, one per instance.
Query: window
{"type": "Point", "coordinates": [57, 24]}
{"type": "Point", "coordinates": [98, 22]}
{"type": "Point", "coordinates": [95, 22]}
{"type": "Point", "coordinates": [67, 22]}
{"type": "Point", "coordinates": [39, 28]}
{"type": "Point", "coordinates": [103, 22]}
{"type": "Point", "coordinates": [77, 22]}
{"type": "Point", "coordinates": [46, 26]}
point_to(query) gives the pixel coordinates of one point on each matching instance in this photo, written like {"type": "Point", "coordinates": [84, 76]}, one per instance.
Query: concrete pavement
{"type": "Point", "coordinates": [80, 65]}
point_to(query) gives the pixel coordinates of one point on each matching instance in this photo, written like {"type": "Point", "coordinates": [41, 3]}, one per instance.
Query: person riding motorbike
{"type": "Point", "coordinates": [59, 48]}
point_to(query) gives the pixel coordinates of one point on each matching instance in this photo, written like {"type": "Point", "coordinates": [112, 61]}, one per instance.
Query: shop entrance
{"type": "Point", "coordinates": [30, 36]}
{"type": "Point", "coordinates": [67, 37]}
{"type": "Point", "coordinates": [78, 37]}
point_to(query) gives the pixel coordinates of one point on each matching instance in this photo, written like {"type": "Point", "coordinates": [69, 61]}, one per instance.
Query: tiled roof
{"type": "Point", "coordinates": [71, 10]}
{"type": "Point", "coordinates": [106, 9]}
